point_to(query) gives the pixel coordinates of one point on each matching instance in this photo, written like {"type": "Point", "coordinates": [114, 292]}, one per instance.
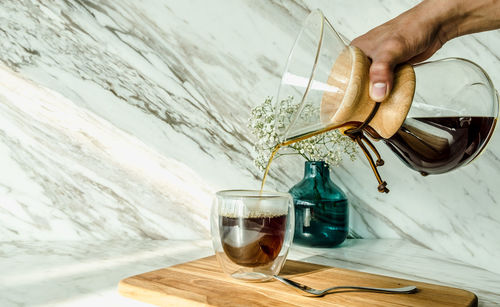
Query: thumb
{"type": "Point", "coordinates": [381, 78]}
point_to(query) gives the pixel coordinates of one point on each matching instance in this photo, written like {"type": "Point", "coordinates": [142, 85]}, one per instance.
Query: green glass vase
{"type": "Point", "coordinates": [321, 208]}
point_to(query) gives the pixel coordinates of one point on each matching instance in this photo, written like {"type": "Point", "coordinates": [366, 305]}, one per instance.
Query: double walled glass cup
{"type": "Point", "coordinates": [252, 232]}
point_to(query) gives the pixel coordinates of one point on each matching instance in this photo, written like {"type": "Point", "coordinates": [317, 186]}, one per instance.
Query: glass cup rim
{"type": "Point", "coordinates": [252, 194]}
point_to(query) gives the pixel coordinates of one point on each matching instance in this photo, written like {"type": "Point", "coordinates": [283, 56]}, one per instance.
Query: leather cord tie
{"type": "Point", "coordinates": [358, 136]}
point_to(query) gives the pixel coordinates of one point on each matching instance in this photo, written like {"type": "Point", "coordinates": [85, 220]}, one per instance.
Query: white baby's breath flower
{"type": "Point", "coordinates": [265, 121]}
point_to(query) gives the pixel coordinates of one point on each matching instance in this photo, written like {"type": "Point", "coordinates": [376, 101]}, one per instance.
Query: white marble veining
{"type": "Point", "coordinates": [69, 273]}
{"type": "Point", "coordinates": [72, 273]}
{"type": "Point", "coordinates": [71, 175]}
{"type": "Point", "coordinates": [122, 117]}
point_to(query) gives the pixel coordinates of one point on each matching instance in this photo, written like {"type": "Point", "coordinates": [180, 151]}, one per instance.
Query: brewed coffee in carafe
{"type": "Point", "coordinates": [436, 145]}
{"type": "Point", "coordinates": [438, 116]}
{"type": "Point", "coordinates": [452, 117]}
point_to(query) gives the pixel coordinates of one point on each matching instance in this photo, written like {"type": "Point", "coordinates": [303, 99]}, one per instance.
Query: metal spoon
{"type": "Point", "coordinates": [407, 290]}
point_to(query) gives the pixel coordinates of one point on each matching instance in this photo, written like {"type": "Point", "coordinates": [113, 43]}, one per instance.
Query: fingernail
{"type": "Point", "coordinates": [378, 91]}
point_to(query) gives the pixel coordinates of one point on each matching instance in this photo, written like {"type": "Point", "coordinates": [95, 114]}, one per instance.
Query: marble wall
{"type": "Point", "coordinates": [120, 118]}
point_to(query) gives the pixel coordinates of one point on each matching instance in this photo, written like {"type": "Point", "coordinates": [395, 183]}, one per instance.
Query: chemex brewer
{"type": "Point", "coordinates": [439, 115]}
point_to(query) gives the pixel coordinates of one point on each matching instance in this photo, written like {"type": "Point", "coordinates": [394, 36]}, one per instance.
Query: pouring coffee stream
{"type": "Point", "coordinates": [356, 134]}
{"type": "Point", "coordinates": [348, 108]}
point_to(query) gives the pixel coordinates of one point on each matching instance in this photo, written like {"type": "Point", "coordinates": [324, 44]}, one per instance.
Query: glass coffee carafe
{"type": "Point", "coordinates": [439, 116]}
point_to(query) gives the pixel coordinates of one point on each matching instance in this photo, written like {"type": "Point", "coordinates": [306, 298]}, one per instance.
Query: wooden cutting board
{"type": "Point", "coordinates": [202, 283]}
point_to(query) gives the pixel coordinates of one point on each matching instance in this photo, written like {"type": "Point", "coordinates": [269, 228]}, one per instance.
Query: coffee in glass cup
{"type": "Point", "coordinates": [252, 232]}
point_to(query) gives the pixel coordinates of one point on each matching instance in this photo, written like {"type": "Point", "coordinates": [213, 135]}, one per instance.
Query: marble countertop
{"type": "Point", "coordinates": [119, 119]}
{"type": "Point", "coordinates": [87, 274]}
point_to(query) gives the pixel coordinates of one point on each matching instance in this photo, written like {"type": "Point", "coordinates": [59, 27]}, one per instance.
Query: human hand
{"type": "Point", "coordinates": [418, 33]}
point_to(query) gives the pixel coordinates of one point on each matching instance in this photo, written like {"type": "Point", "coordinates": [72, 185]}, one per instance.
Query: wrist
{"type": "Point", "coordinates": [444, 17]}
{"type": "Point", "coordinates": [460, 17]}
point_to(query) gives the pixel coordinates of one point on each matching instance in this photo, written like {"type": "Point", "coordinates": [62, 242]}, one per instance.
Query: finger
{"type": "Point", "coordinates": [381, 77]}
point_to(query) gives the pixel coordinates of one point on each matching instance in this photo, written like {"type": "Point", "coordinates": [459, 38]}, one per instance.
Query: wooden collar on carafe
{"type": "Point", "coordinates": [351, 103]}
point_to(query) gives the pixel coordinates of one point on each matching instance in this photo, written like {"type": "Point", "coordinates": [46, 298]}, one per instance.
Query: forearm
{"type": "Point", "coordinates": [460, 17]}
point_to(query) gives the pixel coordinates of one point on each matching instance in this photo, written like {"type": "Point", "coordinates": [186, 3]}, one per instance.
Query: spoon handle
{"type": "Point", "coordinates": [409, 289]}
{"type": "Point", "coordinates": [297, 285]}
